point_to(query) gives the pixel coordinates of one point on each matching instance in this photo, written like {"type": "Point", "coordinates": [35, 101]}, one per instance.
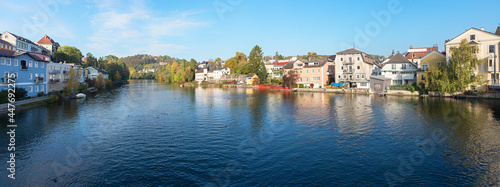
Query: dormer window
{"type": "Point", "coordinates": [473, 37]}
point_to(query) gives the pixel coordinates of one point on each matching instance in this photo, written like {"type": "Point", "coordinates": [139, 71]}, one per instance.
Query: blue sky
{"type": "Point", "coordinates": [219, 28]}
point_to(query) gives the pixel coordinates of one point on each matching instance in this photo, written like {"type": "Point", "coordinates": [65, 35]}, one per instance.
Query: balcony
{"type": "Point", "coordinates": [330, 73]}
{"type": "Point", "coordinates": [54, 71]}
{"type": "Point", "coordinates": [348, 71]}
{"type": "Point", "coordinates": [38, 80]}
{"type": "Point", "coordinates": [65, 71]}
{"type": "Point", "coordinates": [348, 62]}
{"type": "Point", "coordinates": [54, 81]}
{"type": "Point", "coordinates": [24, 68]}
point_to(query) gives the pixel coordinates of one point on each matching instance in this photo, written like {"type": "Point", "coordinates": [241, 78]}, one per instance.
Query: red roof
{"type": "Point", "coordinates": [279, 63]}
{"type": "Point", "coordinates": [46, 40]}
{"type": "Point", "coordinates": [420, 55]}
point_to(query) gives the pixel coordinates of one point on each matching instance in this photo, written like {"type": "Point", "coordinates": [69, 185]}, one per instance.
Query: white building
{"type": "Point", "coordinates": [352, 66]}
{"type": "Point", "coordinates": [398, 69]}
{"type": "Point", "coordinates": [58, 76]}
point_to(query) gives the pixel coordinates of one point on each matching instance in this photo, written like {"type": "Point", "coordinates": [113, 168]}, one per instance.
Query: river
{"type": "Point", "coordinates": [152, 134]}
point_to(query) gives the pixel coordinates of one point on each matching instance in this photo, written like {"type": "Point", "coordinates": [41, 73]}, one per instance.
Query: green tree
{"type": "Point", "coordinates": [68, 54]}
{"type": "Point", "coordinates": [256, 64]}
{"type": "Point", "coordinates": [118, 77]}
{"type": "Point", "coordinates": [99, 82]}
{"type": "Point", "coordinates": [458, 74]}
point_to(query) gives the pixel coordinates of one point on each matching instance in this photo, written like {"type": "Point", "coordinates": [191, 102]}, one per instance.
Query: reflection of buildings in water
{"type": "Point", "coordinates": [473, 135]}
{"type": "Point", "coordinates": [352, 113]}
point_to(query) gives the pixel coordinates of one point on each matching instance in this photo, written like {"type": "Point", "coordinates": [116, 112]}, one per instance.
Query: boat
{"type": "Point", "coordinates": [81, 95]}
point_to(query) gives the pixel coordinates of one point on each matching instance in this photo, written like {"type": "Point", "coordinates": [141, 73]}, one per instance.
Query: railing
{"type": "Point", "coordinates": [24, 68]}
{"type": "Point", "coordinates": [54, 71]}
{"type": "Point", "coordinates": [38, 80]}
{"type": "Point", "coordinates": [53, 80]}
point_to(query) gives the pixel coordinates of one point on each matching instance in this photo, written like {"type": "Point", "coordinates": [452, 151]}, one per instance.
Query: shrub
{"type": "Point", "coordinates": [40, 94]}
{"type": "Point", "coordinates": [20, 93]}
{"type": "Point", "coordinates": [204, 83]}
{"type": "Point", "coordinates": [311, 85]}
{"type": "Point", "coordinates": [82, 88]}
{"type": "Point", "coordinates": [301, 85]}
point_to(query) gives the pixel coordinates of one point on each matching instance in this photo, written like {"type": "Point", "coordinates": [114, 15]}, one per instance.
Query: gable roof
{"type": "Point", "coordinates": [5, 43]}
{"type": "Point", "coordinates": [46, 40]}
{"type": "Point", "coordinates": [349, 51]}
{"type": "Point", "coordinates": [472, 28]}
{"type": "Point", "coordinates": [498, 31]}
{"type": "Point", "coordinates": [436, 52]}
{"type": "Point", "coordinates": [22, 39]}
{"type": "Point", "coordinates": [398, 58]}
{"type": "Point", "coordinates": [34, 56]}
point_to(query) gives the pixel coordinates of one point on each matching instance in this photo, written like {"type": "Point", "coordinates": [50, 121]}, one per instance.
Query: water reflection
{"type": "Point", "coordinates": [148, 133]}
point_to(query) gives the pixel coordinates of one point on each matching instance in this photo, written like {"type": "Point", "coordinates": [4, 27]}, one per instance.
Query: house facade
{"type": "Point", "coordinates": [49, 44]}
{"type": "Point", "coordinates": [309, 72]}
{"type": "Point", "coordinates": [4, 45]}
{"type": "Point", "coordinates": [276, 68]}
{"type": "Point", "coordinates": [398, 69]}
{"type": "Point", "coordinates": [29, 69]}
{"type": "Point", "coordinates": [415, 55]}
{"type": "Point", "coordinates": [92, 73]}
{"type": "Point", "coordinates": [431, 60]}
{"type": "Point", "coordinates": [352, 66]}
{"type": "Point", "coordinates": [58, 76]}
{"type": "Point", "coordinates": [252, 78]}
{"type": "Point", "coordinates": [23, 44]}
{"type": "Point", "coordinates": [488, 44]}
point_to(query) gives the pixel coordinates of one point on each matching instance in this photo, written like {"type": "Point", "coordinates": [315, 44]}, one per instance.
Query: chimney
{"type": "Point", "coordinates": [411, 46]}
{"type": "Point", "coordinates": [482, 28]}
{"type": "Point", "coordinates": [435, 46]}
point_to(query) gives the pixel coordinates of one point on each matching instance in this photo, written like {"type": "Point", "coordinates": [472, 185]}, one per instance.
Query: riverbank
{"type": "Point", "coordinates": [26, 104]}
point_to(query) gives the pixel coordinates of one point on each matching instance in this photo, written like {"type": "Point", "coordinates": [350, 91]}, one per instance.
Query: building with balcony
{"type": "Point", "coordinates": [29, 70]}
{"type": "Point", "coordinates": [92, 73]}
{"type": "Point", "coordinates": [275, 68]}
{"type": "Point", "coordinates": [398, 69]}
{"type": "Point", "coordinates": [488, 45]}
{"type": "Point", "coordinates": [314, 71]}
{"type": "Point", "coordinates": [58, 76]}
{"type": "Point", "coordinates": [352, 66]}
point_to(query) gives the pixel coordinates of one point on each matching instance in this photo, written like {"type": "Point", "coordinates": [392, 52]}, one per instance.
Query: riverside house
{"type": "Point", "coordinates": [415, 55]}
{"type": "Point", "coordinates": [275, 68]}
{"type": "Point", "coordinates": [353, 66]}
{"type": "Point", "coordinates": [488, 51]}
{"type": "Point", "coordinates": [49, 44]}
{"type": "Point", "coordinates": [92, 73]}
{"type": "Point", "coordinates": [309, 72]}
{"type": "Point", "coordinates": [23, 44]}
{"type": "Point", "coordinates": [29, 69]}
{"type": "Point", "coordinates": [58, 76]}
{"type": "Point", "coordinates": [431, 60]}
{"type": "Point", "coordinates": [398, 69]}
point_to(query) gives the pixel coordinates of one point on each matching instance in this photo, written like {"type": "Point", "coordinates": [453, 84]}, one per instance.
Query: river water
{"type": "Point", "coordinates": [152, 134]}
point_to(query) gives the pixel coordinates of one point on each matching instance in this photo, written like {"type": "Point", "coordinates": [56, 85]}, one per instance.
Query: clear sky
{"type": "Point", "coordinates": [219, 28]}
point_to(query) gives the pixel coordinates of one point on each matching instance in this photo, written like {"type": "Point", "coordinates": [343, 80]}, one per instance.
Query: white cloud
{"type": "Point", "coordinates": [133, 28]}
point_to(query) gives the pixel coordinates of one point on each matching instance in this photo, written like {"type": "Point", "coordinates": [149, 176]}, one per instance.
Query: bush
{"type": "Point", "coordinates": [204, 83]}
{"type": "Point", "coordinates": [301, 85]}
{"type": "Point", "coordinates": [82, 88]}
{"type": "Point", "coordinates": [40, 94]}
{"type": "Point", "coordinates": [20, 93]}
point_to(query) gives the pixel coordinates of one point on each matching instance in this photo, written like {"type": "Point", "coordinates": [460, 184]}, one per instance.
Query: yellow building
{"type": "Point", "coordinates": [430, 60]}
{"type": "Point", "coordinates": [252, 79]}
{"type": "Point", "coordinates": [488, 44]}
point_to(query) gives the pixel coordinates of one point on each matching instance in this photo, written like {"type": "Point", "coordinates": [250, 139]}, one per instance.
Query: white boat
{"type": "Point", "coordinates": [80, 95]}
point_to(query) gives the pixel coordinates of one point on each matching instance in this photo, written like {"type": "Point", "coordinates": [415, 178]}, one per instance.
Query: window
{"type": "Point", "coordinates": [425, 66]}
{"type": "Point", "coordinates": [362, 76]}
{"type": "Point", "coordinates": [363, 84]}
{"type": "Point", "coordinates": [345, 76]}
{"type": "Point", "coordinates": [42, 88]}
{"type": "Point", "coordinates": [403, 66]}
{"type": "Point", "coordinates": [433, 56]}
{"type": "Point", "coordinates": [30, 76]}
{"type": "Point", "coordinates": [9, 62]}
{"type": "Point", "coordinates": [358, 58]}
{"type": "Point", "coordinates": [15, 74]}
{"type": "Point", "coordinates": [342, 67]}
{"type": "Point", "coordinates": [36, 88]}
{"type": "Point", "coordinates": [491, 49]}
{"type": "Point", "coordinates": [350, 59]}
{"type": "Point", "coordinates": [490, 63]}
{"type": "Point", "coordinates": [31, 64]}
{"type": "Point", "coordinates": [316, 78]}
{"type": "Point", "coordinates": [300, 71]}
{"type": "Point", "coordinates": [359, 67]}
{"type": "Point", "coordinates": [318, 70]}
{"type": "Point", "coordinates": [341, 59]}
{"type": "Point", "coordinates": [3, 61]}
{"type": "Point", "coordinates": [394, 66]}
{"type": "Point", "coordinates": [339, 76]}
{"type": "Point", "coordinates": [472, 37]}
{"type": "Point", "coordinates": [312, 71]}
{"type": "Point", "coordinates": [36, 64]}
{"type": "Point", "coordinates": [31, 89]}
{"type": "Point", "coordinates": [397, 82]}
{"type": "Point", "coordinates": [357, 76]}
{"type": "Point", "coordinates": [24, 65]}
{"type": "Point", "coordinates": [350, 77]}
{"type": "Point", "coordinates": [307, 71]}
{"type": "Point", "coordinates": [394, 73]}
